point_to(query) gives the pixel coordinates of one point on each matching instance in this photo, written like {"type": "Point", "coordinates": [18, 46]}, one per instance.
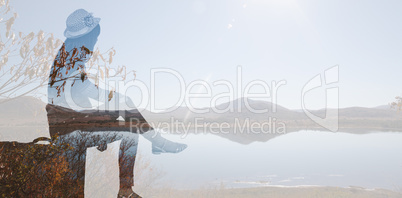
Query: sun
{"type": "Point", "coordinates": [276, 3]}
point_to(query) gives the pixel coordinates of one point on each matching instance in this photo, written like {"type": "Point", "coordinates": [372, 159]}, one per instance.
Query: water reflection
{"type": "Point", "coordinates": [303, 158]}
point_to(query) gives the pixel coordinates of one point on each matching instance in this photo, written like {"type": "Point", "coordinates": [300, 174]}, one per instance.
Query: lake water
{"type": "Point", "coordinates": [303, 158]}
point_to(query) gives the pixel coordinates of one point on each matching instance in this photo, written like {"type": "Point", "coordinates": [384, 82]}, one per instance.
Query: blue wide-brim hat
{"type": "Point", "coordinates": [79, 23]}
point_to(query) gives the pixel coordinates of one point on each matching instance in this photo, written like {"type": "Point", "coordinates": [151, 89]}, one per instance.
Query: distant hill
{"type": "Point", "coordinates": [352, 119]}
{"type": "Point", "coordinates": [386, 107]}
{"type": "Point", "coordinates": [241, 111]}
{"type": "Point", "coordinates": [22, 110]}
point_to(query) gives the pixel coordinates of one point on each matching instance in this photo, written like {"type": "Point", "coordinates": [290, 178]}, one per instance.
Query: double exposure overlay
{"type": "Point", "coordinates": [200, 98]}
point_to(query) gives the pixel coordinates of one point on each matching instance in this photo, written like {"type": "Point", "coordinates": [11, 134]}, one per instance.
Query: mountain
{"type": "Point", "coordinates": [240, 113]}
{"type": "Point", "coordinates": [22, 110]}
{"type": "Point", "coordinates": [386, 107]}
{"type": "Point", "coordinates": [23, 119]}
{"type": "Point", "coordinates": [353, 120]}
{"type": "Point", "coordinates": [241, 109]}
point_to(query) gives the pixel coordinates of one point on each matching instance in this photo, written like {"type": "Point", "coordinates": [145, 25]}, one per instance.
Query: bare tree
{"type": "Point", "coordinates": [26, 60]}
{"type": "Point", "coordinates": [397, 104]}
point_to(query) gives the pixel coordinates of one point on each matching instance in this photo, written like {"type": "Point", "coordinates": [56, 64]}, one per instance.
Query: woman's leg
{"type": "Point", "coordinates": [128, 152]}
{"type": "Point", "coordinates": [161, 144]}
{"type": "Point", "coordinates": [119, 101]}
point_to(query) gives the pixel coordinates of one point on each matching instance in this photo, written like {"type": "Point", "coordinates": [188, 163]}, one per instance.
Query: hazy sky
{"type": "Point", "coordinates": [272, 40]}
